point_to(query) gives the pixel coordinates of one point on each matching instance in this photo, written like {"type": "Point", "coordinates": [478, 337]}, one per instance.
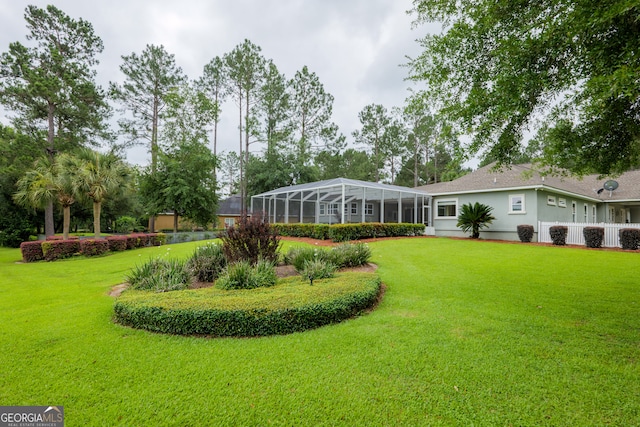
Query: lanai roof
{"type": "Point", "coordinates": [485, 179]}
{"type": "Point", "coordinates": [337, 183]}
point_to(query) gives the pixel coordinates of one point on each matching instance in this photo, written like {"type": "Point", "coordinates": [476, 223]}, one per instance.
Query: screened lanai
{"type": "Point", "coordinates": [340, 201]}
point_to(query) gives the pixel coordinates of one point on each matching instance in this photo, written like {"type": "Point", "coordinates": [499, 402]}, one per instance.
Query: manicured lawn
{"type": "Point", "coordinates": [468, 333]}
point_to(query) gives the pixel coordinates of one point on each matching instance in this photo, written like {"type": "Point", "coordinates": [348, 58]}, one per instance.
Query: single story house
{"type": "Point", "coordinates": [522, 195]}
{"type": "Point", "coordinates": [340, 201]}
{"type": "Point", "coordinates": [228, 214]}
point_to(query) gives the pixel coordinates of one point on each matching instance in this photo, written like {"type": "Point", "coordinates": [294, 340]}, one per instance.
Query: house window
{"type": "Point", "coordinates": [368, 208]}
{"type": "Point", "coordinates": [586, 213]}
{"type": "Point", "coordinates": [229, 222]}
{"type": "Point", "coordinates": [562, 203]}
{"type": "Point", "coordinates": [323, 209]}
{"type": "Point", "coordinates": [516, 204]}
{"type": "Point", "coordinates": [594, 216]}
{"type": "Point", "coordinates": [574, 211]}
{"type": "Point", "coordinates": [332, 209]}
{"type": "Point", "coordinates": [354, 208]}
{"type": "Point", "coordinates": [447, 208]}
{"type": "Point", "coordinates": [551, 200]}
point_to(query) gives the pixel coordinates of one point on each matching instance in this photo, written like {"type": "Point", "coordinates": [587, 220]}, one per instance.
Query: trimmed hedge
{"type": "Point", "coordinates": [94, 247]}
{"type": "Point", "coordinates": [59, 249]}
{"type": "Point", "coordinates": [117, 243]}
{"type": "Point", "coordinates": [593, 236]}
{"type": "Point", "coordinates": [346, 232]}
{"type": "Point", "coordinates": [290, 306]}
{"type": "Point", "coordinates": [629, 238]}
{"type": "Point", "coordinates": [558, 234]}
{"type": "Point", "coordinates": [31, 251]}
{"type": "Point", "coordinates": [525, 233]}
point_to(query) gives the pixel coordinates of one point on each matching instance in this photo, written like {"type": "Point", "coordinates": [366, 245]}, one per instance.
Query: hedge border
{"type": "Point", "coordinates": [249, 322]}
{"type": "Point", "coordinates": [348, 232]}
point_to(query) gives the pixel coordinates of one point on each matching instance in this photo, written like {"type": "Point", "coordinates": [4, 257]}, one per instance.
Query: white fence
{"type": "Point", "coordinates": [575, 236]}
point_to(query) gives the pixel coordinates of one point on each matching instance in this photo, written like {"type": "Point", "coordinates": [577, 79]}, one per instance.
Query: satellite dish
{"type": "Point", "coordinates": [610, 185]}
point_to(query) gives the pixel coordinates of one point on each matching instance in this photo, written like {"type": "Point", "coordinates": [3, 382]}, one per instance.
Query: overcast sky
{"type": "Point", "coordinates": [355, 47]}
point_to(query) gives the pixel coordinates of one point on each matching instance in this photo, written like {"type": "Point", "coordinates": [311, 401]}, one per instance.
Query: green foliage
{"type": "Point", "coordinates": [207, 262]}
{"type": "Point", "coordinates": [314, 231]}
{"type": "Point", "coordinates": [298, 256]}
{"type": "Point", "coordinates": [117, 243]}
{"type": "Point", "coordinates": [341, 256]}
{"type": "Point", "coordinates": [317, 269]}
{"type": "Point", "coordinates": [251, 239]}
{"type": "Point", "coordinates": [126, 224]}
{"type": "Point", "coordinates": [593, 236]}
{"type": "Point", "coordinates": [159, 275]}
{"type": "Point", "coordinates": [94, 247]}
{"type": "Point", "coordinates": [474, 217]}
{"type": "Point", "coordinates": [243, 275]}
{"type": "Point", "coordinates": [629, 238]}
{"type": "Point", "coordinates": [498, 65]}
{"type": "Point", "coordinates": [346, 232]}
{"type": "Point", "coordinates": [285, 308]}
{"type": "Point", "coordinates": [350, 254]}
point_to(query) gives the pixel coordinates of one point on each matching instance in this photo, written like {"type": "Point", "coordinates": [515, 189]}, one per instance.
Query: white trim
{"type": "Point", "coordinates": [551, 200]}
{"type": "Point", "coordinates": [532, 187]}
{"type": "Point", "coordinates": [523, 209]}
{"type": "Point", "coordinates": [448, 203]}
{"type": "Point", "coordinates": [562, 202]}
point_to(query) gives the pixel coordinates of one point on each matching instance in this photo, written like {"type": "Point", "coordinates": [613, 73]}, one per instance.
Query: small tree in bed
{"type": "Point", "coordinates": [251, 239]}
{"type": "Point", "coordinates": [474, 217]}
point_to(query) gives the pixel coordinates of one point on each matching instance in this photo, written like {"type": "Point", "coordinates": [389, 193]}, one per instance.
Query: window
{"type": "Point", "coordinates": [586, 213]}
{"type": "Point", "coordinates": [332, 209]}
{"type": "Point", "coordinates": [551, 200]}
{"type": "Point", "coordinates": [229, 222]}
{"type": "Point", "coordinates": [368, 208]}
{"type": "Point", "coordinates": [447, 208]}
{"type": "Point", "coordinates": [562, 203]}
{"type": "Point", "coordinates": [594, 216]}
{"type": "Point", "coordinates": [574, 211]}
{"type": "Point", "coordinates": [354, 208]}
{"type": "Point", "coordinates": [516, 204]}
{"type": "Point", "coordinates": [323, 209]}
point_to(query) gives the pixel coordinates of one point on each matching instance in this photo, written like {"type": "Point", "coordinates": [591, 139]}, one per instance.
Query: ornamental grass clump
{"type": "Point", "coordinates": [317, 269]}
{"type": "Point", "coordinates": [242, 275]}
{"type": "Point", "coordinates": [206, 263]}
{"type": "Point", "coordinates": [159, 275]}
{"type": "Point", "coordinates": [350, 255]}
{"type": "Point", "coordinates": [298, 256]}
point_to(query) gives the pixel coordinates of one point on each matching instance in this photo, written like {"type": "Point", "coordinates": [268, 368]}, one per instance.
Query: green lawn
{"type": "Point", "coordinates": [468, 333]}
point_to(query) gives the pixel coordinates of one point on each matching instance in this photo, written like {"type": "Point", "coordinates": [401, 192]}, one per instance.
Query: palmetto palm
{"type": "Point", "coordinates": [474, 217]}
{"type": "Point", "coordinates": [98, 176]}
{"type": "Point", "coordinates": [46, 182]}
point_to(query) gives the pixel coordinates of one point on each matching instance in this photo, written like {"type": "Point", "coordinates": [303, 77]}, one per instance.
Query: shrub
{"type": "Point", "coordinates": [94, 247]}
{"type": "Point", "coordinates": [251, 239]}
{"type": "Point", "coordinates": [159, 275]}
{"type": "Point", "coordinates": [283, 309]}
{"type": "Point", "coordinates": [132, 242]}
{"type": "Point", "coordinates": [317, 269]}
{"type": "Point", "coordinates": [298, 256]}
{"type": "Point", "coordinates": [31, 251]}
{"type": "Point", "coordinates": [350, 254]}
{"type": "Point", "coordinates": [629, 238]}
{"type": "Point", "coordinates": [239, 275]}
{"type": "Point", "coordinates": [474, 217]}
{"type": "Point", "coordinates": [265, 273]}
{"type": "Point", "coordinates": [206, 263]}
{"type": "Point", "coordinates": [347, 232]}
{"type": "Point", "coordinates": [142, 240]}
{"type": "Point", "coordinates": [558, 234]}
{"type": "Point", "coordinates": [117, 243]}
{"type": "Point", "coordinates": [125, 224]}
{"type": "Point", "coordinates": [593, 236]}
{"type": "Point", "coordinates": [525, 233]}
{"type": "Point", "coordinates": [157, 239]}
{"type": "Point", "coordinates": [58, 249]}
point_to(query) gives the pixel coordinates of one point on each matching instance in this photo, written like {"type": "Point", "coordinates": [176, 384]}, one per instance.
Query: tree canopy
{"type": "Point", "coordinates": [500, 66]}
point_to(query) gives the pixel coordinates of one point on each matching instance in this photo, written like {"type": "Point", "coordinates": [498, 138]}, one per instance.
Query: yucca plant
{"type": "Point", "coordinates": [474, 217]}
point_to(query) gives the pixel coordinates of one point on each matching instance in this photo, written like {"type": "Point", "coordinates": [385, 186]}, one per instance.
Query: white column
{"type": "Point", "coordinates": [399, 207]}
{"type": "Point", "coordinates": [382, 208]}
{"type": "Point", "coordinates": [364, 197]}
{"type": "Point", "coordinates": [342, 215]}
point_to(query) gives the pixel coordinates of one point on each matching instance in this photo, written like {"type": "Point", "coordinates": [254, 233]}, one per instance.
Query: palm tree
{"type": "Point", "coordinates": [98, 176]}
{"type": "Point", "coordinates": [474, 217]}
{"type": "Point", "coordinates": [46, 182]}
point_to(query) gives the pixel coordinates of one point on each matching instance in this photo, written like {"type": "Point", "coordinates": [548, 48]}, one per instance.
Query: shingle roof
{"type": "Point", "coordinates": [526, 176]}
{"type": "Point", "coordinates": [230, 206]}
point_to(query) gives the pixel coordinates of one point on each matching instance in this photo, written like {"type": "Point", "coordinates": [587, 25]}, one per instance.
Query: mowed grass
{"type": "Point", "coordinates": [468, 333]}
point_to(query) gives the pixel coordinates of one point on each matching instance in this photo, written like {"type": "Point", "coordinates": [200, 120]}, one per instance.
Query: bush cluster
{"type": "Point", "coordinates": [316, 269]}
{"type": "Point", "coordinates": [525, 233]}
{"type": "Point", "coordinates": [558, 234]}
{"type": "Point", "coordinates": [341, 256]}
{"type": "Point", "coordinates": [347, 232]}
{"type": "Point", "coordinates": [207, 262]}
{"type": "Point", "coordinates": [593, 236]}
{"type": "Point", "coordinates": [159, 275]}
{"type": "Point", "coordinates": [629, 238]}
{"type": "Point", "coordinates": [55, 247]}
{"type": "Point", "coordinates": [243, 275]}
{"type": "Point", "coordinates": [197, 312]}
{"type": "Point", "coordinates": [94, 247]}
{"type": "Point", "coordinates": [31, 251]}
{"type": "Point", "coordinates": [251, 239]}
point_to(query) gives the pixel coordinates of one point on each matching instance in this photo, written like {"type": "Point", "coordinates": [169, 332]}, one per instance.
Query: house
{"type": "Point", "coordinates": [522, 195]}
{"type": "Point", "coordinates": [228, 213]}
{"type": "Point", "coordinates": [342, 200]}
